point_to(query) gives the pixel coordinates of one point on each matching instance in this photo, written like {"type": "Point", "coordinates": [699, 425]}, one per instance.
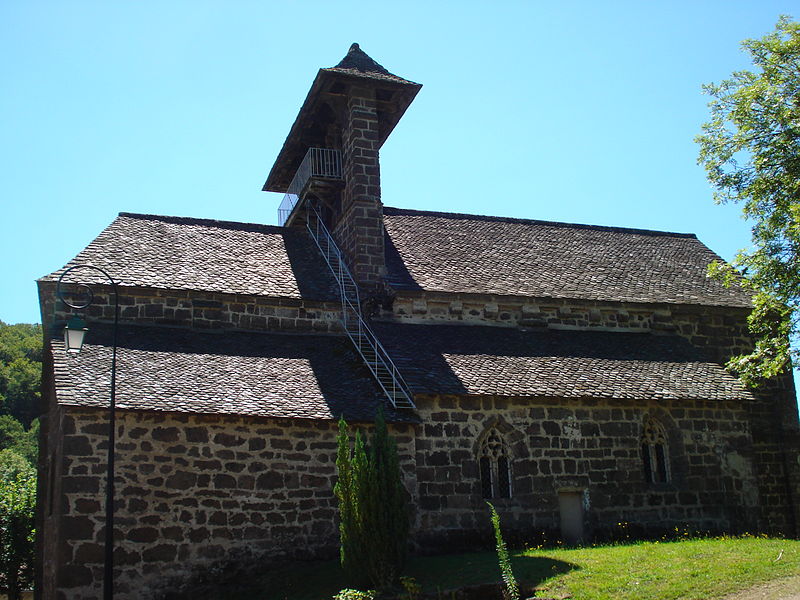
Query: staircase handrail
{"type": "Point", "coordinates": [380, 352]}
{"type": "Point", "coordinates": [318, 162]}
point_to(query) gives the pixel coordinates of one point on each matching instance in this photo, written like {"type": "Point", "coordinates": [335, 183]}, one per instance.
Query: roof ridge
{"type": "Point", "coordinates": [208, 222]}
{"type": "Point", "coordinates": [389, 210]}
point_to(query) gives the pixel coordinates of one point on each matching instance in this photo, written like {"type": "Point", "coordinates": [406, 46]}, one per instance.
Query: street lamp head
{"type": "Point", "coordinates": [74, 333]}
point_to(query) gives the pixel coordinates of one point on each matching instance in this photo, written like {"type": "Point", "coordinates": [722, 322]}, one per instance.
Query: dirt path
{"type": "Point", "coordinates": [779, 589]}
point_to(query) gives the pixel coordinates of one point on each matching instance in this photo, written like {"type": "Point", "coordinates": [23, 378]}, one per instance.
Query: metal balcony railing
{"type": "Point", "coordinates": [323, 163]}
{"type": "Point", "coordinates": [366, 344]}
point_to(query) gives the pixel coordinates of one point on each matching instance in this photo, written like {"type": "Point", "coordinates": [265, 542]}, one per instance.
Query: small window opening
{"type": "Point", "coordinates": [654, 453]}
{"type": "Point", "coordinates": [495, 466]}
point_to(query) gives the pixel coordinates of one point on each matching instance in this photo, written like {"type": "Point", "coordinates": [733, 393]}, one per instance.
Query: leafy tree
{"type": "Point", "coordinates": [750, 149]}
{"type": "Point", "coordinates": [13, 436]}
{"type": "Point", "coordinates": [17, 504]}
{"type": "Point", "coordinates": [372, 507]}
{"type": "Point", "coordinates": [12, 464]}
{"type": "Point", "coordinates": [20, 370]}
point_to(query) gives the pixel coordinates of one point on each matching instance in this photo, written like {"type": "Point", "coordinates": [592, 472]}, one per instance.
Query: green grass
{"type": "Point", "coordinates": [694, 569]}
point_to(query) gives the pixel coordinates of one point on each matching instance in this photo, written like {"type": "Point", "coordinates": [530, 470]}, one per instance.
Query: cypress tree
{"type": "Point", "coordinates": [373, 514]}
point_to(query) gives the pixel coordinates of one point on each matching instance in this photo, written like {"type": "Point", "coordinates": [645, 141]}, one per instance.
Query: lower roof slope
{"type": "Point", "coordinates": [449, 252]}
{"type": "Point", "coordinates": [206, 255]}
{"type": "Point", "coordinates": [232, 373]}
{"type": "Point", "coordinates": [463, 359]}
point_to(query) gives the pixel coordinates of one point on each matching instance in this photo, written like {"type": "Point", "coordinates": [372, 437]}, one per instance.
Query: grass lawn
{"type": "Point", "coordinates": [681, 570]}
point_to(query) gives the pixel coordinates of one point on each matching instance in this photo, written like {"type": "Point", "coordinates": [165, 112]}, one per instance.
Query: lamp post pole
{"type": "Point", "coordinates": [108, 569]}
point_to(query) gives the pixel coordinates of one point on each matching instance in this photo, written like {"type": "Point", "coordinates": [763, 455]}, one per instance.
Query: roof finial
{"type": "Point", "coordinates": [354, 47]}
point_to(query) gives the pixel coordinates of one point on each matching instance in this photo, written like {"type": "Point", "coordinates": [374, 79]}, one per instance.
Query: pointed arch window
{"type": "Point", "coordinates": [655, 457]}
{"type": "Point", "coordinates": [494, 460]}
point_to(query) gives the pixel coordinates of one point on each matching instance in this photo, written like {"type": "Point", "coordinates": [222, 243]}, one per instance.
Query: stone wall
{"type": "Point", "coordinates": [592, 446]}
{"type": "Point", "coordinates": [196, 491]}
{"type": "Point", "coordinates": [199, 310]}
{"type": "Point", "coordinates": [359, 228]}
{"type": "Point", "coordinates": [193, 492]}
{"type": "Point", "coordinates": [720, 332]}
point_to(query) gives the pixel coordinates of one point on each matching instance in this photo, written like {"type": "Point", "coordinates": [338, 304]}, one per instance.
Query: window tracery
{"type": "Point", "coordinates": [494, 460]}
{"type": "Point", "coordinates": [654, 452]}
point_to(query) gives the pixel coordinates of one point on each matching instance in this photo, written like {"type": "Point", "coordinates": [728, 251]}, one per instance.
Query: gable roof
{"type": "Point", "coordinates": [215, 256]}
{"type": "Point", "coordinates": [448, 252]}
{"type": "Point", "coordinates": [253, 374]}
{"type": "Point", "coordinates": [463, 359]}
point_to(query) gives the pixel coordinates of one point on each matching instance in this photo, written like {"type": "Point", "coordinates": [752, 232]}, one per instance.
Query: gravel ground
{"type": "Point", "coordinates": [779, 589]}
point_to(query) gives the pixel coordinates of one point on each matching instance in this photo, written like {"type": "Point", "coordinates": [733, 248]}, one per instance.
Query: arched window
{"type": "Point", "coordinates": [654, 452]}
{"type": "Point", "coordinates": [494, 460]}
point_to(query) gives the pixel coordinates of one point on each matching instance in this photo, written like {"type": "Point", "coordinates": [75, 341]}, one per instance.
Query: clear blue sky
{"type": "Point", "coordinates": [578, 111]}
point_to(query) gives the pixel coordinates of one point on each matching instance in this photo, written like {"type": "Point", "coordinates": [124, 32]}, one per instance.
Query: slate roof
{"type": "Point", "coordinates": [180, 370]}
{"type": "Point", "coordinates": [359, 64]}
{"type": "Point", "coordinates": [450, 252]}
{"type": "Point", "coordinates": [463, 359]}
{"type": "Point", "coordinates": [215, 256]}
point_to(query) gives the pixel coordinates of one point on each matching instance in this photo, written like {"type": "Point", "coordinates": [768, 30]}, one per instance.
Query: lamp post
{"type": "Point", "coordinates": [74, 333]}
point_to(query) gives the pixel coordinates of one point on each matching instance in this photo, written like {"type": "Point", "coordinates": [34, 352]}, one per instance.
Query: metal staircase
{"type": "Point", "coordinates": [375, 356]}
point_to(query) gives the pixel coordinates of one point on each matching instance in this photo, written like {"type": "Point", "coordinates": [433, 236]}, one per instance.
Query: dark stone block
{"type": "Point", "coordinates": [154, 310]}
{"type": "Point", "coordinates": [438, 459]}
{"type": "Point", "coordinates": [96, 429]}
{"type": "Point", "coordinates": [77, 528]}
{"type": "Point", "coordinates": [255, 444]}
{"type": "Point", "coordinates": [136, 505]}
{"type": "Point", "coordinates": [207, 465]}
{"type": "Point", "coordinates": [123, 557]}
{"type": "Point", "coordinates": [143, 535]}
{"type": "Point", "coordinates": [181, 480]}
{"type": "Point", "coordinates": [218, 518]}
{"type": "Point", "coordinates": [90, 553]}
{"type": "Point", "coordinates": [172, 533]}
{"type": "Point", "coordinates": [281, 444]}
{"type": "Point", "coordinates": [166, 434]}
{"type": "Point", "coordinates": [80, 485]}
{"type": "Point", "coordinates": [160, 553]}
{"type": "Point", "coordinates": [72, 576]}
{"type": "Point", "coordinates": [75, 445]}
{"type": "Point", "coordinates": [222, 481]}
{"type": "Point", "coordinates": [228, 440]}
{"type": "Point", "coordinates": [84, 505]}
{"type": "Point", "coordinates": [270, 480]}
{"type": "Point", "coordinates": [551, 428]}
{"type": "Point", "coordinates": [430, 502]}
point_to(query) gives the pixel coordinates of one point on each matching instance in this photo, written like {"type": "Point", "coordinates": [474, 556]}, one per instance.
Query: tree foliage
{"type": "Point", "coordinates": [750, 149]}
{"type": "Point", "coordinates": [373, 516]}
{"type": "Point", "coordinates": [13, 436]}
{"type": "Point", "coordinates": [17, 505]}
{"type": "Point", "coordinates": [20, 370]}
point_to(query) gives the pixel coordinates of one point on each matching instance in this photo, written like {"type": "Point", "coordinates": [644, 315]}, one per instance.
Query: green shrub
{"type": "Point", "coordinates": [511, 591]}
{"type": "Point", "coordinates": [373, 524]}
{"type": "Point", "coordinates": [17, 503]}
{"type": "Point", "coordinates": [348, 594]}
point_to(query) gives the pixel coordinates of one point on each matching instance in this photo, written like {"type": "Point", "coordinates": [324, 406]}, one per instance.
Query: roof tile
{"type": "Point", "coordinates": [216, 256]}
{"type": "Point", "coordinates": [254, 374]}
{"type": "Point", "coordinates": [463, 359]}
{"type": "Point", "coordinates": [449, 252]}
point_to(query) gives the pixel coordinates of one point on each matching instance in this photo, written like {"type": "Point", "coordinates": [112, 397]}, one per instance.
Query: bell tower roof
{"type": "Point", "coordinates": [358, 63]}
{"type": "Point", "coordinates": [321, 111]}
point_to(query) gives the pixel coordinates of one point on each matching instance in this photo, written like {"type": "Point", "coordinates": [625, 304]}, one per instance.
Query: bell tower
{"type": "Point", "coordinates": [329, 167]}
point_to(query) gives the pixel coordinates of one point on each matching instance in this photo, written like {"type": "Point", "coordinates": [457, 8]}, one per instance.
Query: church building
{"type": "Point", "coordinates": [571, 374]}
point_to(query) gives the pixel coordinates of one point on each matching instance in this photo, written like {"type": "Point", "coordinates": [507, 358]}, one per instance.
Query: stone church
{"type": "Point", "coordinates": [573, 374]}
